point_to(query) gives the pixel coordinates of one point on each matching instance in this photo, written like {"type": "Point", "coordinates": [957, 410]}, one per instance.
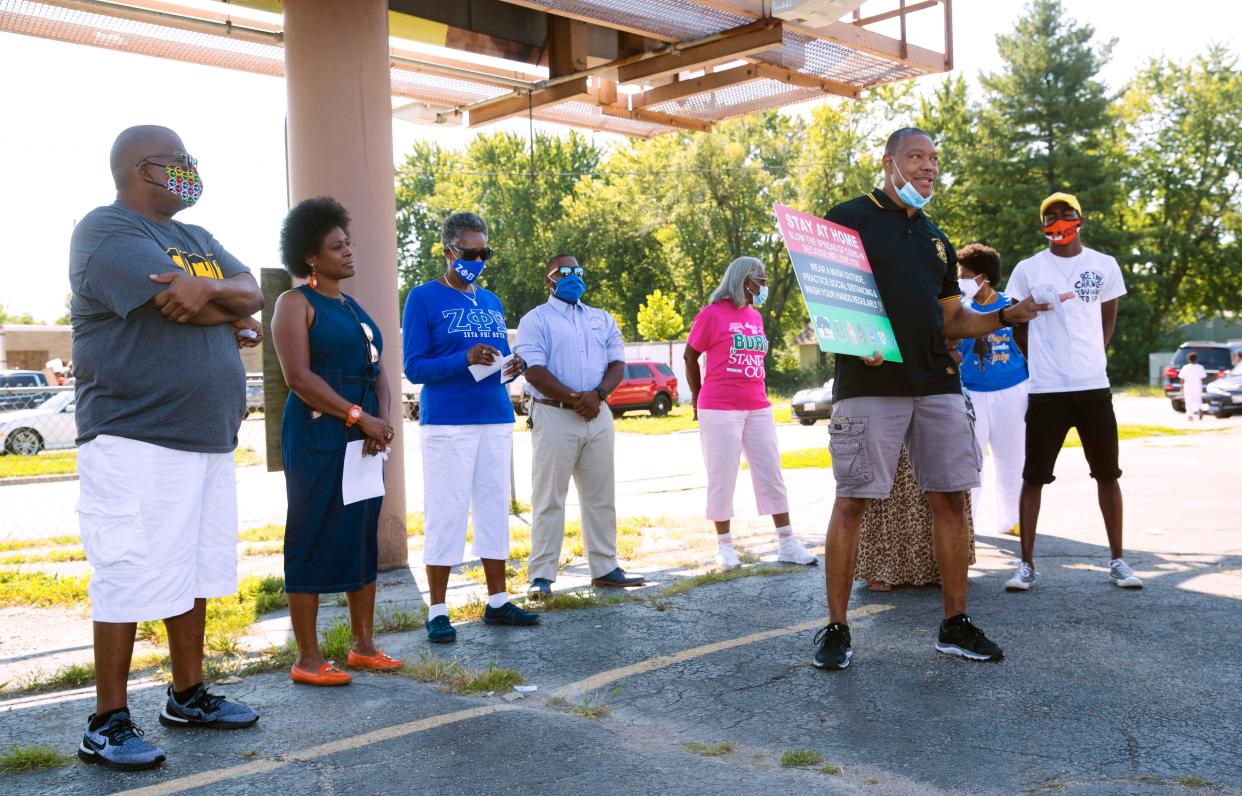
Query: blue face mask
{"type": "Point", "coordinates": [761, 296]}
{"type": "Point", "coordinates": [570, 288]}
{"type": "Point", "coordinates": [908, 193]}
{"type": "Point", "coordinates": [469, 270]}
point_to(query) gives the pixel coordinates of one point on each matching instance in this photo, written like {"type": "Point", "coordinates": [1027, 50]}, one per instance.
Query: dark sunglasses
{"type": "Point", "coordinates": [482, 255]}
{"type": "Point", "coordinates": [184, 159]}
{"type": "Point", "coordinates": [566, 270]}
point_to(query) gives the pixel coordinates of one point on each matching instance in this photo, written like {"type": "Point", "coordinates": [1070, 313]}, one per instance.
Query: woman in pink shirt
{"type": "Point", "coordinates": [732, 407]}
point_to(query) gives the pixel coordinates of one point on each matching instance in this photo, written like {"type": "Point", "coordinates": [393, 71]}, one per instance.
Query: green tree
{"type": "Point", "coordinates": [658, 318]}
{"type": "Point", "coordinates": [23, 319]}
{"type": "Point", "coordinates": [1045, 125]}
{"type": "Point", "coordinates": [1183, 191]}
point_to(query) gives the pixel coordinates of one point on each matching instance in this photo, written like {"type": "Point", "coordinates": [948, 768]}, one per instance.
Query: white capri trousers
{"type": "Point", "coordinates": [465, 475]}
{"type": "Point", "coordinates": [727, 433]}
{"type": "Point", "coordinates": [159, 527]}
{"type": "Point", "coordinates": [1000, 424]}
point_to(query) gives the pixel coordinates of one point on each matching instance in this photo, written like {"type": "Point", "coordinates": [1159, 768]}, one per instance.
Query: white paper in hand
{"type": "Point", "coordinates": [1047, 294]}
{"type": "Point", "coordinates": [481, 372]}
{"type": "Point", "coordinates": [363, 476]}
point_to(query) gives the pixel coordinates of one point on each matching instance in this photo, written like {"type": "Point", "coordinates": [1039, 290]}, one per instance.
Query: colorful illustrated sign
{"type": "Point", "coordinates": [837, 285]}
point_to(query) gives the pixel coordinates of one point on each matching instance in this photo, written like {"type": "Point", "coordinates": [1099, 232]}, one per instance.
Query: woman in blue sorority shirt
{"type": "Point", "coordinates": [466, 425]}
{"type": "Point", "coordinates": [995, 376]}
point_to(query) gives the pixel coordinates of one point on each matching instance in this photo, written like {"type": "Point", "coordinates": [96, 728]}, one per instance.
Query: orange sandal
{"type": "Point", "coordinates": [379, 661]}
{"type": "Point", "coordinates": [328, 675]}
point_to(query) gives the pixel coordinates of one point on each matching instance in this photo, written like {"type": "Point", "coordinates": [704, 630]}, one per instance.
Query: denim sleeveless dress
{"type": "Point", "coordinates": [329, 547]}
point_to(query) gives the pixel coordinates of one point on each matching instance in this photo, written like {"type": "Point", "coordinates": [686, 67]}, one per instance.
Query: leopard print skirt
{"type": "Point", "coordinates": [895, 540]}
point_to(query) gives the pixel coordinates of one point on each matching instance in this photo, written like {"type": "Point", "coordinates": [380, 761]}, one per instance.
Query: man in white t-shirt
{"type": "Point", "coordinates": [1069, 380]}
{"type": "Point", "coordinates": [1193, 375]}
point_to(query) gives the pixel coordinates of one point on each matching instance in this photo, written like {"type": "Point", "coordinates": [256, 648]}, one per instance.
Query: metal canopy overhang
{"type": "Point", "coordinates": [631, 67]}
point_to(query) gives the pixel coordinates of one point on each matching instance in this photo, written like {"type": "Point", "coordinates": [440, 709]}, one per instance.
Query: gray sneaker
{"type": "Point", "coordinates": [118, 745]}
{"type": "Point", "coordinates": [1023, 579]}
{"type": "Point", "coordinates": [205, 709]}
{"type": "Point", "coordinates": [1120, 574]}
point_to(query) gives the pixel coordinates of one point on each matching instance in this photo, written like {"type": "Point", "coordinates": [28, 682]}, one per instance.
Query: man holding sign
{"type": "Point", "coordinates": [879, 404]}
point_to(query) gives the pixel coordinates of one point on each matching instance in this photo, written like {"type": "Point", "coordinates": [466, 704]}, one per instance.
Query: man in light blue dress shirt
{"type": "Point", "coordinates": [574, 358]}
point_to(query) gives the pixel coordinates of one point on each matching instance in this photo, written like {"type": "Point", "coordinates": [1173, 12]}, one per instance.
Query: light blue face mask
{"type": "Point", "coordinates": [908, 194]}
{"type": "Point", "coordinates": [761, 296]}
{"type": "Point", "coordinates": [570, 288]}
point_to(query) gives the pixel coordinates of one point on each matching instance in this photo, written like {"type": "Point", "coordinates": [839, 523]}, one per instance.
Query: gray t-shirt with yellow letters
{"type": "Point", "coordinates": [138, 375]}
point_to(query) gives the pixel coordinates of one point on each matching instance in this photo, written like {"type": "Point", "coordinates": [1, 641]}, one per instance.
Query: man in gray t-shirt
{"type": "Point", "coordinates": [159, 309]}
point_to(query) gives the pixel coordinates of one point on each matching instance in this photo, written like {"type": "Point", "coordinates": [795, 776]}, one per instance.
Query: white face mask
{"type": "Point", "coordinates": [970, 288]}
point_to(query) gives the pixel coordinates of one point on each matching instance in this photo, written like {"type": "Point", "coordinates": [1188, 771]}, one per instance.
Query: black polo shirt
{"type": "Point", "coordinates": [915, 270]}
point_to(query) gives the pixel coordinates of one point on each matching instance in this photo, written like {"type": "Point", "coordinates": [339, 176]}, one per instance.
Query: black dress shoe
{"type": "Point", "coordinates": [617, 579]}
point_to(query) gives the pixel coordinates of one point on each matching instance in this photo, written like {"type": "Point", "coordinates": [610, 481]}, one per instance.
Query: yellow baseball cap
{"type": "Point", "coordinates": [1068, 198]}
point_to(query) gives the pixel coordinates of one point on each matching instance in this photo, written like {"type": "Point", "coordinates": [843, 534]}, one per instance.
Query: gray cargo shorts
{"type": "Point", "coordinates": [866, 434]}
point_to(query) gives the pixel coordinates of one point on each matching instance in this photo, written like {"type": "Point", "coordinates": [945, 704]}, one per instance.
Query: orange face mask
{"type": "Point", "coordinates": [1061, 231]}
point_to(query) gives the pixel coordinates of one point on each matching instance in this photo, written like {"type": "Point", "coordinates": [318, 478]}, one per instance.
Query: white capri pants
{"type": "Point", "coordinates": [725, 434]}
{"type": "Point", "coordinates": [465, 475]}
{"type": "Point", "coordinates": [1000, 424]}
{"type": "Point", "coordinates": [159, 527]}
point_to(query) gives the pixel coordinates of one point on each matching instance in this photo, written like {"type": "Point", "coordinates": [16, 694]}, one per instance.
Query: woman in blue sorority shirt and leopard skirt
{"type": "Point", "coordinates": [995, 376]}
{"type": "Point", "coordinates": [466, 426]}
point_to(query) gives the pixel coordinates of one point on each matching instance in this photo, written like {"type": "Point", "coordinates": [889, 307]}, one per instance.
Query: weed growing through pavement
{"type": "Point", "coordinates": [1195, 782]}
{"type": "Point", "coordinates": [710, 749]}
{"type": "Point", "coordinates": [722, 576]}
{"type": "Point", "coordinates": [49, 557]}
{"type": "Point", "coordinates": [48, 541]}
{"type": "Point", "coordinates": [40, 590]}
{"type": "Point", "coordinates": [801, 757]}
{"type": "Point", "coordinates": [72, 676]}
{"type": "Point", "coordinates": [440, 671]}
{"type": "Point", "coordinates": [871, 781]}
{"type": "Point", "coordinates": [229, 618]}
{"type": "Point", "coordinates": [829, 768]}
{"type": "Point", "coordinates": [30, 758]}
{"type": "Point", "coordinates": [337, 639]}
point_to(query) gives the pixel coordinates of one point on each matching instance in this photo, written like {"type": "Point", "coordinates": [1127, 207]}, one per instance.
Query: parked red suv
{"type": "Point", "coordinates": [646, 385]}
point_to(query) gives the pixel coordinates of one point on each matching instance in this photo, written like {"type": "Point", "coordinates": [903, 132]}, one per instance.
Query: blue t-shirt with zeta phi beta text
{"type": "Point", "coordinates": [439, 326]}
{"type": "Point", "coordinates": [992, 362]}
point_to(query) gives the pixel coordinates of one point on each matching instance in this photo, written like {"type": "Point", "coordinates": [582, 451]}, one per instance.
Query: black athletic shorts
{"type": "Point", "coordinates": [1050, 416]}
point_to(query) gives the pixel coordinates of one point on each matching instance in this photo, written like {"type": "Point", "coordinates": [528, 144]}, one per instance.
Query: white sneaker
{"type": "Point", "coordinates": [1023, 579]}
{"type": "Point", "coordinates": [1120, 574]}
{"type": "Point", "coordinates": [791, 551]}
{"type": "Point", "coordinates": [728, 557]}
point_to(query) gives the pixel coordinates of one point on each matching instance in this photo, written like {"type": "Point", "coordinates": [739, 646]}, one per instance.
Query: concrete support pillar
{"type": "Point", "coordinates": [340, 144]}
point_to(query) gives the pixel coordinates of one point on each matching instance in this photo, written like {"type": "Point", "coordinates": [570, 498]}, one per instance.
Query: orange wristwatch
{"type": "Point", "coordinates": [353, 416]}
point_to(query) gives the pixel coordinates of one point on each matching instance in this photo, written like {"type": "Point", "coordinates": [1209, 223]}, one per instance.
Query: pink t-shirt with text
{"type": "Point", "coordinates": [732, 338]}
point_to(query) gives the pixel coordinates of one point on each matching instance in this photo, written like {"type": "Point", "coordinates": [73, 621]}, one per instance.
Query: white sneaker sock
{"type": "Point", "coordinates": [784, 532]}
{"type": "Point", "coordinates": [439, 609]}
{"type": "Point", "coordinates": [497, 600]}
{"type": "Point", "coordinates": [724, 539]}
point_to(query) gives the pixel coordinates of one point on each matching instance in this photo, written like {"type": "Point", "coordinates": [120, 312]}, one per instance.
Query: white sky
{"type": "Point", "coordinates": [64, 104]}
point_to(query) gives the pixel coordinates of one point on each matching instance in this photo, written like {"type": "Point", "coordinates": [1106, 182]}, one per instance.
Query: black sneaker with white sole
{"type": "Point", "coordinates": [959, 636]}
{"type": "Point", "coordinates": [834, 647]}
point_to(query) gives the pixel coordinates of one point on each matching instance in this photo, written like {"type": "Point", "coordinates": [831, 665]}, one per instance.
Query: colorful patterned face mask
{"type": "Point", "coordinates": [185, 184]}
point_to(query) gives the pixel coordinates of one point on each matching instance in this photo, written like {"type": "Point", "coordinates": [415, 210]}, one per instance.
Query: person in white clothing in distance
{"type": "Point", "coordinates": [1193, 375]}
{"type": "Point", "coordinates": [1069, 379]}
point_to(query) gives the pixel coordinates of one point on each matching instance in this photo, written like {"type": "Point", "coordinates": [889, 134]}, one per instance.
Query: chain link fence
{"type": "Point", "coordinates": [39, 464]}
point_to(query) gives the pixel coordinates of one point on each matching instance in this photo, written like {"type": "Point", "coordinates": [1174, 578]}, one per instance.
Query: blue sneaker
{"type": "Point", "coordinates": [118, 745]}
{"type": "Point", "coordinates": [440, 631]}
{"type": "Point", "coordinates": [205, 709]}
{"type": "Point", "coordinates": [509, 614]}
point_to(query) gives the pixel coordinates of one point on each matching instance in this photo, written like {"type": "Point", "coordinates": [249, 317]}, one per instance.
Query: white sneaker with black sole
{"type": "Point", "coordinates": [1120, 574]}
{"type": "Point", "coordinates": [1023, 579]}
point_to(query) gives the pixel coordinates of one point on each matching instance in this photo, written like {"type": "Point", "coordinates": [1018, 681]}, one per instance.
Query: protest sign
{"type": "Point", "coordinates": [837, 285]}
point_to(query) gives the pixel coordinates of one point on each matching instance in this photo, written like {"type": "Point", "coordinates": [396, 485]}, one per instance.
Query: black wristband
{"type": "Point", "coordinates": [1000, 316]}
{"type": "Point", "coordinates": [602, 393]}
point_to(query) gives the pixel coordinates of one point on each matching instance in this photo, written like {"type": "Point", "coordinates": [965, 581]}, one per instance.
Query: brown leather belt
{"type": "Point", "coordinates": [549, 402]}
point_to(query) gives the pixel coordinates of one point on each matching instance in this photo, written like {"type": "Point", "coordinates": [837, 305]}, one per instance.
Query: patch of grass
{"type": "Point", "coordinates": [41, 590]}
{"type": "Point", "coordinates": [75, 675]}
{"type": "Point", "coordinates": [430, 669]}
{"type": "Point", "coordinates": [829, 768]}
{"type": "Point", "coordinates": [680, 418]}
{"type": "Point", "coordinates": [557, 703]}
{"type": "Point", "coordinates": [470, 611]}
{"type": "Point", "coordinates": [515, 575]}
{"type": "Point", "coordinates": [795, 758]}
{"type": "Point", "coordinates": [1141, 390]}
{"type": "Point", "coordinates": [336, 640]}
{"type": "Point", "coordinates": [1195, 782]}
{"type": "Point", "coordinates": [50, 463]}
{"type": "Point", "coordinates": [871, 781]}
{"type": "Point", "coordinates": [590, 708]}
{"type": "Point", "coordinates": [229, 618]}
{"type": "Point", "coordinates": [519, 507]}
{"type": "Point", "coordinates": [414, 524]}
{"type": "Point", "coordinates": [267, 549]}
{"type": "Point", "coordinates": [49, 557]}
{"type": "Point", "coordinates": [1053, 784]}
{"type": "Point", "coordinates": [31, 758]}
{"type": "Point", "coordinates": [400, 621]}
{"type": "Point", "coordinates": [1133, 431]}
{"type": "Point", "coordinates": [721, 576]}
{"type": "Point", "coordinates": [803, 459]}
{"type": "Point", "coordinates": [246, 457]}
{"type": "Point", "coordinates": [264, 533]}
{"type": "Point", "coordinates": [573, 600]}
{"type": "Point", "coordinates": [250, 754]}
{"type": "Point", "coordinates": [26, 544]}
{"type": "Point", "coordinates": [710, 749]}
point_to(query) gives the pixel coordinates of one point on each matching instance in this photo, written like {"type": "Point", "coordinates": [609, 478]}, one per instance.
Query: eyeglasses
{"type": "Point", "coordinates": [370, 335]}
{"type": "Point", "coordinates": [566, 270]}
{"type": "Point", "coordinates": [482, 255]}
{"type": "Point", "coordinates": [184, 159]}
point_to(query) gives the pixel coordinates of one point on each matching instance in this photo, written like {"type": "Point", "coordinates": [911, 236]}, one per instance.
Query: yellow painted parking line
{"type": "Point", "coordinates": [411, 727]}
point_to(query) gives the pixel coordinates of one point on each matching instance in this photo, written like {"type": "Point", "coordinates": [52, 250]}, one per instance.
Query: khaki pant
{"type": "Point", "coordinates": [563, 445]}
